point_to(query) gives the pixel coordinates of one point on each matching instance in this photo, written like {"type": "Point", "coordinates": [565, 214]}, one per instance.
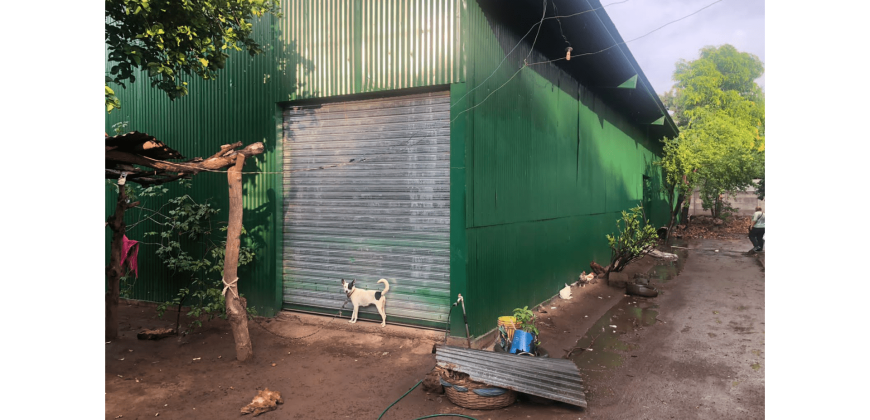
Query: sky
{"type": "Point", "coordinates": [736, 22]}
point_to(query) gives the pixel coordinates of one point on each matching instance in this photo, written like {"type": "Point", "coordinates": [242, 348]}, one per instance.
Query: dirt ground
{"type": "Point", "coordinates": [356, 371]}
{"type": "Point", "coordinates": [702, 355]}
{"type": "Point", "coordinates": [342, 371]}
{"type": "Point", "coordinates": [705, 227]}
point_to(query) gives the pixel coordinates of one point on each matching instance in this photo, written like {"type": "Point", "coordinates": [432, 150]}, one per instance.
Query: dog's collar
{"type": "Point", "coordinates": [351, 292]}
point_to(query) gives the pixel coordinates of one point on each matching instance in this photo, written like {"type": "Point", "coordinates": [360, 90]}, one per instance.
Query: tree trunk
{"type": "Point", "coordinates": [676, 210]}
{"type": "Point", "coordinates": [113, 270]}
{"type": "Point", "coordinates": [236, 311]}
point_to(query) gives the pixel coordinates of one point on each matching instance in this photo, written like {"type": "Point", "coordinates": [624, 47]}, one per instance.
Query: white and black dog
{"type": "Point", "coordinates": [360, 297]}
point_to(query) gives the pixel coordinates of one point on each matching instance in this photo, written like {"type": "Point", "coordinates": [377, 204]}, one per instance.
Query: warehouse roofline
{"type": "Point", "coordinates": [609, 65]}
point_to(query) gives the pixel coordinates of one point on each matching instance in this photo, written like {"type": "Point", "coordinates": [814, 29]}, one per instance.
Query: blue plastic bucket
{"type": "Point", "coordinates": [522, 342]}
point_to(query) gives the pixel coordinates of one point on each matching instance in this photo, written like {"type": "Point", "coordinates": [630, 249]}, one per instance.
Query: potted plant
{"type": "Point", "coordinates": [526, 335]}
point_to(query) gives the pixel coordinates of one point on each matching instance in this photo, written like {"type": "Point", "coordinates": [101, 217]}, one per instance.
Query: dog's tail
{"type": "Point", "coordinates": [386, 286]}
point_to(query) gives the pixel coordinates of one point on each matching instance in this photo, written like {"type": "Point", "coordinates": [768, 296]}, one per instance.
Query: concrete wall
{"type": "Point", "coordinates": [745, 202]}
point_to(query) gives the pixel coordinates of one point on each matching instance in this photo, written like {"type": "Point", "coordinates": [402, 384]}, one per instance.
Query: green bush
{"type": "Point", "coordinates": [186, 247]}
{"type": "Point", "coordinates": [634, 238]}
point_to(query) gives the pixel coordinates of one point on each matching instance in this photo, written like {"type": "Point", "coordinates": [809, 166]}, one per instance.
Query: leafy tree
{"type": "Point", "coordinates": [720, 112]}
{"type": "Point", "coordinates": [721, 79]}
{"type": "Point", "coordinates": [759, 189]}
{"type": "Point", "coordinates": [634, 238]}
{"type": "Point", "coordinates": [186, 247]}
{"type": "Point", "coordinates": [173, 37]}
{"type": "Point", "coordinates": [728, 150]}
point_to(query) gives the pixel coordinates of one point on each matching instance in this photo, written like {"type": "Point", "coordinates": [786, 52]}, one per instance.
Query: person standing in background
{"type": "Point", "coordinates": [756, 230]}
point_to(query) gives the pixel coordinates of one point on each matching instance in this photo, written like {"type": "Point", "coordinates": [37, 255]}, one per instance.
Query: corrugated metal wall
{"type": "Point", "coordinates": [238, 106]}
{"type": "Point", "coordinates": [546, 166]}
{"type": "Point", "coordinates": [549, 169]}
{"type": "Point", "coordinates": [386, 217]}
{"type": "Point", "coordinates": [318, 49]}
{"type": "Point", "coordinates": [342, 47]}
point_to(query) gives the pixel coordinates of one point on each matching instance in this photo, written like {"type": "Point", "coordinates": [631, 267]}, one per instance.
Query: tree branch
{"type": "Point", "coordinates": [218, 161]}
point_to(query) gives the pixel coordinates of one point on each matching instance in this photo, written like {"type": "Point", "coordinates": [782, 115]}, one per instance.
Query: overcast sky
{"type": "Point", "coordinates": [736, 22]}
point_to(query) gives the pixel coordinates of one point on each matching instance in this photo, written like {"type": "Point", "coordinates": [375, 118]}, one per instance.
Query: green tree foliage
{"type": "Point", "coordinates": [759, 189]}
{"type": "Point", "coordinates": [168, 38]}
{"type": "Point", "coordinates": [720, 111]}
{"type": "Point", "coordinates": [184, 243]}
{"type": "Point", "coordinates": [112, 101]}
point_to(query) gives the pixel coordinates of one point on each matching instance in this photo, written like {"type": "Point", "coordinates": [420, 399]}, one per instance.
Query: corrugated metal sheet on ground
{"type": "Point", "coordinates": [555, 379]}
{"type": "Point", "coordinates": [386, 217]}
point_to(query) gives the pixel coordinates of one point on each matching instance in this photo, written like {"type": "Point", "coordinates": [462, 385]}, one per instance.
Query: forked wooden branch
{"type": "Point", "coordinates": [225, 158]}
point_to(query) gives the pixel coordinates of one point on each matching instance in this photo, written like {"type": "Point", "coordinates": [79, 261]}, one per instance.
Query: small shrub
{"type": "Point", "coordinates": [633, 239]}
{"type": "Point", "coordinates": [526, 320]}
{"type": "Point", "coordinates": [186, 247]}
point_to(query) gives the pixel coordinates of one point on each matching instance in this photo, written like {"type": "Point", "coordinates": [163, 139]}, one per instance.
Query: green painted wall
{"type": "Point", "coordinates": [549, 169]}
{"type": "Point", "coordinates": [318, 49]}
{"type": "Point", "coordinates": [539, 172]}
{"type": "Point", "coordinates": [238, 106]}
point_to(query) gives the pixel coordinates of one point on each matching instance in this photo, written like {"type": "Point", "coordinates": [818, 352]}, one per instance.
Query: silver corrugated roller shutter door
{"type": "Point", "coordinates": [386, 217]}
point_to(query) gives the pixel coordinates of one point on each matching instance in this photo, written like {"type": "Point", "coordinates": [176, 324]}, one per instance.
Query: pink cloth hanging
{"type": "Point", "coordinates": [129, 251]}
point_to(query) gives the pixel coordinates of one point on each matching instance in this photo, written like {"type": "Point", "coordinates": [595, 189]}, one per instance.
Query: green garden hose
{"type": "Point", "coordinates": [400, 398]}
{"type": "Point", "coordinates": [421, 381]}
{"type": "Point", "coordinates": [424, 417]}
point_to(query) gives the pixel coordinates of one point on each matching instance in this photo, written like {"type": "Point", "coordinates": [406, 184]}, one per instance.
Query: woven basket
{"type": "Point", "coordinates": [479, 396]}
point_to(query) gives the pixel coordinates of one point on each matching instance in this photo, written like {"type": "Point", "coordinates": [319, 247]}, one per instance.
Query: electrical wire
{"type": "Point", "coordinates": [521, 41]}
{"type": "Point", "coordinates": [556, 11]}
{"type": "Point", "coordinates": [540, 25]}
{"type": "Point", "coordinates": [578, 55]}
{"type": "Point", "coordinates": [490, 94]}
{"type": "Point", "coordinates": [630, 40]}
{"type": "Point", "coordinates": [675, 21]}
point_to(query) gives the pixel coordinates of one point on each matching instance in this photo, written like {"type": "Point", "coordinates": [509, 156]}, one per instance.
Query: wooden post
{"type": "Point", "coordinates": [236, 308]}
{"type": "Point", "coordinates": [113, 270]}
{"type": "Point", "coordinates": [123, 157]}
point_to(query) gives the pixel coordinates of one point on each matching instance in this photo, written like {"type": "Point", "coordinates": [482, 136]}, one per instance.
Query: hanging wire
{"type": "Point", "coordinates": [580, 55]}
{"type": "Point", "coordinates": [540, 25]}
{"type": "Point", "coordinates": [556, 11]}
{"type": "Point", "coordinates": [525, 65]}
{"type": "Point", "coordinates": [521, 41]}
{"type": "Point", "coordinates": [490, 94]}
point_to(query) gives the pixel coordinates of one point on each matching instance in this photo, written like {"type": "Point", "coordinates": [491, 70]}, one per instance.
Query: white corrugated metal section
{"type": "Point", "coordinates": [385, 217]}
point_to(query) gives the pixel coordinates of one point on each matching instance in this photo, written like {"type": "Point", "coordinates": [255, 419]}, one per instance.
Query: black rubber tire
{"type": "Point", "coordinates": [640, 290]}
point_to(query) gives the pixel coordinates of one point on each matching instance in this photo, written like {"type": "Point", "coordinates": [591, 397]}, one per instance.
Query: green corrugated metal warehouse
{"type": "Point", "coordinates": [481, 167]}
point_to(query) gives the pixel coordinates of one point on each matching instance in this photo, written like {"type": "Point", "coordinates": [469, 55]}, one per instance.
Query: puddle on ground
{"type": "Point", "coordinates": [667, 270]}
{"type": "Point", "coordinates": [608, 349]}
{"type": "Point", "coordinates": [629, 315]}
